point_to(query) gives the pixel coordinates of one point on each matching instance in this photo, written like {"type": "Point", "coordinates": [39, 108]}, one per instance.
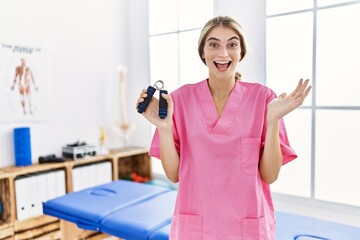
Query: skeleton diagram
{"type": "Point", "coordinates": [24, 77]}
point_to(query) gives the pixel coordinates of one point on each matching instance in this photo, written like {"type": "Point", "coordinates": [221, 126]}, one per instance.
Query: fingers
{"type": "Point", "coordinates": [141, 98]}
{"type": "Point", "coordinates": [143, 94]}
{"type": "Point", "coordinates": [308, 89]}
{"type": "Point", "coordinates": [297, 88]}
{"type": "Point", "coordinates": [304, 85]}
{"type": "Point", "coordinates": [168, 99]}
{"type": "Point", "coordinates": [282, 96]}
{"type": "Point", "coordinates": [302, 89]}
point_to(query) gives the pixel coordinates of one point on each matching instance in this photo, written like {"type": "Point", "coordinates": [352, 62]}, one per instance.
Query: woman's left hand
{"type": "Point", "coordinates": [284, 103]}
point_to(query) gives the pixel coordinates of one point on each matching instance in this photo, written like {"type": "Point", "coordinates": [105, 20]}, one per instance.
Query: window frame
{"type": "Point", "coordinates": [311, 201]}
{"type": "Point", "coordinates": [158, 172]}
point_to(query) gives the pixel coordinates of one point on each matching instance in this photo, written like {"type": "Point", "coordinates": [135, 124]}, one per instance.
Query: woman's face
{"type": "Point", "coordinates": [222, 52]}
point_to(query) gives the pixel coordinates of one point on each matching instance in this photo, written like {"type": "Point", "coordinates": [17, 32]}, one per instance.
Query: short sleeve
{"type": "Point", "coordinates": [287, 152]}
{"type": "Point", "coordinates": [155, 144]}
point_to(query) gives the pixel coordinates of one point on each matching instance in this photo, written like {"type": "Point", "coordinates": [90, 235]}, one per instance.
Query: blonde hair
{"type": "Point", "coordinates": [224, 21]}
{"type": "Point", "coordinates": [237, 76]}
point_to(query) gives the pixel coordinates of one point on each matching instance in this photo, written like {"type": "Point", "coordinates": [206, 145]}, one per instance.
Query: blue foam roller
{"type": "Point", "coordinates": [22, 146]}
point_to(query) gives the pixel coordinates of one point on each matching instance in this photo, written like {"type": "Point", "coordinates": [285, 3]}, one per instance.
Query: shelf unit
{"type": "Point", "coordinates": [123, 162]}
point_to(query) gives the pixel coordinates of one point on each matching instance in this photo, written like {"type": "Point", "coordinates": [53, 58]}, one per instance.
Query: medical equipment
{"type": "Point", "coordinates": [162, 102]}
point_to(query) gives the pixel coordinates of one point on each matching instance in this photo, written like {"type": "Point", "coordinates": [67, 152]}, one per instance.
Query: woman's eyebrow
{"type": "Point", "coordinates": [213, 39]}
{"type": "Point", "coordinates": [235, 37]}
{"type": "Point", "coordinates": [216, 39]}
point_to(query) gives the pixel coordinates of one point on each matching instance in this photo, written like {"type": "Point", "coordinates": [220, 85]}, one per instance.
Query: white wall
{"type": "Point", "coordinates": [139, 67]}
{"type": "Point", "coordinates": [88, 39]}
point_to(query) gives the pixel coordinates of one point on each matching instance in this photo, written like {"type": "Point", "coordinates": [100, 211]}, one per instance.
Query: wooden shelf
{"type": "Point", "coordinates": [123, 161]}
{"type": "Point", "coordinates": [6, 195]}
{"type": "Point", "coordinates": [6, 230]}
{"type": "Point", "coordinates": [37, 228]}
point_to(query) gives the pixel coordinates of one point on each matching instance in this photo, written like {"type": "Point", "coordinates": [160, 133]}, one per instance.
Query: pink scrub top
{"type": "Point", "coordinates": [221, 194]}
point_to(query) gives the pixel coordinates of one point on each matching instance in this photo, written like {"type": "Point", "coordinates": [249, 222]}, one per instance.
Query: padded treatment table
{"type": "Point", "coordinates": [162, 233]}
{"type": "Point", "coordinates": [121, 208]}
{"type": "Point", "coordinates": [291, 226]}
{"type": "Point", "coordinates": [140, 220]}
{"type": "Point", "coordinates": [136, 211]}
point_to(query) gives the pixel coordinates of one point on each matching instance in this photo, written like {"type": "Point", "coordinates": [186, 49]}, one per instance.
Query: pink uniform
{"type": "Point", "coordinates": [221, 195]}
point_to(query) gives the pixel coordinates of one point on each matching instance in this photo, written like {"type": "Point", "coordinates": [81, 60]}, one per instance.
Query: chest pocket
{"type": "Point", "coordinates": [250, 155]}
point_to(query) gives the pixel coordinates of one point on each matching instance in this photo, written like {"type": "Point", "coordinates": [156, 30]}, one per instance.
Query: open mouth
{"type": "Point", "coordinates": [222, 65]}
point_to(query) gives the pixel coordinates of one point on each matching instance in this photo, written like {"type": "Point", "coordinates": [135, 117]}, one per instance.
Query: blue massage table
{"type": "Point", "coordinates": [291, 226]}
{"type": "Point", "coordinates": [137, 211]}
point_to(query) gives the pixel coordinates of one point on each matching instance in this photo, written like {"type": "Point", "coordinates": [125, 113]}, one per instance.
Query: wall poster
{"type": "Point", "coordinates": [24, 83]}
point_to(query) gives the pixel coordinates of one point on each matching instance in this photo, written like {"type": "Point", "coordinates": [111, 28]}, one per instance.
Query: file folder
{"type": "Point", "coordinates": [22, 211]}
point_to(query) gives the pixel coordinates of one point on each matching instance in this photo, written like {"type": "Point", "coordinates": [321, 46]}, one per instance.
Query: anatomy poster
{"type": "Point", "coordinates": [24, 83]}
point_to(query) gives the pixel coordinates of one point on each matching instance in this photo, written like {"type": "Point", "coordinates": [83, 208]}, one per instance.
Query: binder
{"type": "Point", "coordinates": [77, 184]}
{"type": "Point", "coordinates": [104, 173]}
{"type": "Point", "coordinates": [32, 190]}
{"type": "Point", "coordinates": [22, 211]}
{"type": "Point", "coordinates": [51, 185]}
{"type": "Point", "coordinates": [60, 183]}
{"type": "Point", "coordinates": [33, 203]}
{"type": "Point", "coordinates": [91, 175]}
{"type": "Point", "coordinates": [42, 186]}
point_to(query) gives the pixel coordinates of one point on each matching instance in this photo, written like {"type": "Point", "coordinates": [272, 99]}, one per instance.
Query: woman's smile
{"type": "Point", "coordinates": [222, 65]}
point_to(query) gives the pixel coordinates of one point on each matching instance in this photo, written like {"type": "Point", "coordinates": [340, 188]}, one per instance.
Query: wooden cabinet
{"type": "Point", "coordinates": [41, 227]}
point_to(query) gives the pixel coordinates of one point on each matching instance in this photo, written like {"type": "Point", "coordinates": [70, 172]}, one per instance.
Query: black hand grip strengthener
{"type": "Point", "coordinates": [162, 102]}
{"type": "Point", "coordinates": [143, 105]}
{"type": "Point", "coordinates": [162, 105]}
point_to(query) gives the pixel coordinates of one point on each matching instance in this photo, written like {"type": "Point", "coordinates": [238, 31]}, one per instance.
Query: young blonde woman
{"type": "Point", "coordinates": [224, 141]}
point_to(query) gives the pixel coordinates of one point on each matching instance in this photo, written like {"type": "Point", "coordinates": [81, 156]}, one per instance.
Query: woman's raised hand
{"type": "Point", "coordinates": [283, 104]}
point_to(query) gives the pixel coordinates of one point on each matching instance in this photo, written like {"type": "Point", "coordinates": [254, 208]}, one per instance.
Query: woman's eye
{"type": "Point", "coordinates": [233, 45]}
{"type": "Point", "coordinates": [213, 45]}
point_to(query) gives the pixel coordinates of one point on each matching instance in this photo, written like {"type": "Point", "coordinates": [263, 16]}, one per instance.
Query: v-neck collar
{"type": "Point", "coordinates": [222, 124]}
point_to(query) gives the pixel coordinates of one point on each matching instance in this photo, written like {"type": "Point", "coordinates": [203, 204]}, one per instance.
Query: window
{"type": "Point", "coordinates": [318, 40]}
{"type": "Point", "coordinates": [174, 29]}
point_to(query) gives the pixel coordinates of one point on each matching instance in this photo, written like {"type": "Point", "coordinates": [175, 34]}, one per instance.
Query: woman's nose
{"type": "Point", "coordinates": [223, 52]}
